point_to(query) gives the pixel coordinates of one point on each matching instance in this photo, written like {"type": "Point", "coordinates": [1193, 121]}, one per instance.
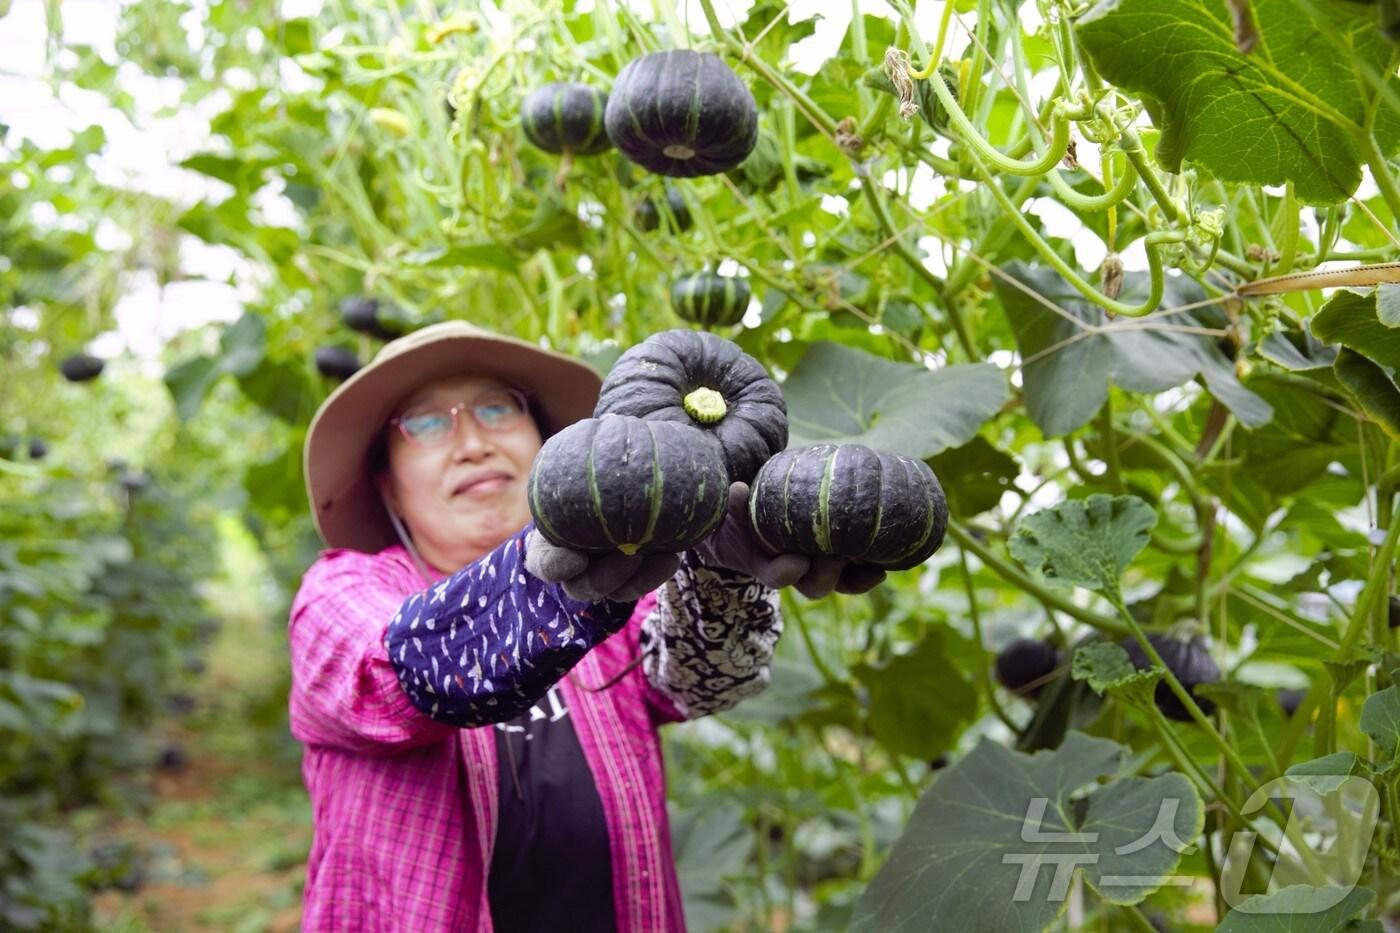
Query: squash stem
{"type": "Point", "coordinates": [705, 406]}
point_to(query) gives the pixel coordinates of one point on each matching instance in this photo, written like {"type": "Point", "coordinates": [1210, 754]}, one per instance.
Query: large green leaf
{"type": "Point", "coordinates": [919, 702]}
{"type": "Point", "coordinates": [1298, 909]}
{"type": "Point", "coordinates": [985, 844]}
{"type": "Point", "coordinates": [1388, 305]}
{"type": "Point", "coordinates": [1327, 774]}
{"type": "Point", "coordinates": [1085, 542]}
{"type": "Point", "coordinates": [242, 347]}
{"type": "Point", "coordinates": [1291, 109]}
{"type": "Point", "coordinates": [1354, 321]}
{"type": "Point", "coordinates": [1371, 386]}
{"type": "Point", "coordinates": [838, 394]}
{"type": "Point", "coordinates": [974, 476]}
{"type": "Point", "coordinates": [1380, 719]}
{"type": "Point", "coordinates": [1073, 359]}
{"type": "Point", "coordinates": [190, 381]}
{"type": "Point", "coordinates": [710, 843]}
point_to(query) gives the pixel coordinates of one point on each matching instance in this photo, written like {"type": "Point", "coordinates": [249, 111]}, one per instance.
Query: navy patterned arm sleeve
{"type": "Point", "coordinates": [482, 645]}
{"type": "Point", "coordinates": [709, 641]}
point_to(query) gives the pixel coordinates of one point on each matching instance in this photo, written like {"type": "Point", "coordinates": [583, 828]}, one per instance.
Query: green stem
{"type": "Point", "coordinates": [936, 55]}
{"type": "Point", "coordinates": [1372, 594]}
{"type": "Point", "coordinates": [1183, 694]}
{"type": "Point", "coordinates": [1153, 242]}
{"type": "Point", "coordinates": [1288, 216]}
{"type": "Point", "coordinates": [903, 774]}
{"type": "Point", "coordinates": [1110, 447]}
{"type": "Point", "coordinates": [882, 215]}
{"type": "Point", "coordinates": [964, 538]}
{"type": "Point", "coordinates": [814, 113]}
{"type": "Point", "coordinates": [1188, 765]}
{"type": "Point", "coordinates": [984, 677]}
{"type": "Point", "coordinates": [966, 270]}
{"type": "Point", "coordinates": [827, 676]}
{"type": "Point", "coordinates": [1174, 463]}
{"type": "Point", "coordinates": [1133, 149]}
{"type": "Point", "coordinates": [1389, 479]}
{"type": "Point", "coordinates": [973, 89]}
{"type": "Point", "coordinates": [1059, 137]}
{"type": "Point", "coordinates": [1122, 188]}
{"type": "Point", "coordinates": [666, 10]}
{"type": "Point", "coordinates": [1133, 912]}
{"type": "Point", "coordinates": [1380, 170]}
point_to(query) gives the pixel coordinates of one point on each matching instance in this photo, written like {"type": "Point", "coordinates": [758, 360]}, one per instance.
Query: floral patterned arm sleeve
{"type": "Point", "coordinates": [484, 644]}
{"type": "Point", "coordinates": [708, 642]}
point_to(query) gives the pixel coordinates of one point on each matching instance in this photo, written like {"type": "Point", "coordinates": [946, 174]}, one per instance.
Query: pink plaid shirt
{"type": "Point", "coordinates": [405, 807]}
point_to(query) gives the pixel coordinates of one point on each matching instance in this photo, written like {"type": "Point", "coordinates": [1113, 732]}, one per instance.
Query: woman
{"type": "Point", "coordinates": [479, 708]}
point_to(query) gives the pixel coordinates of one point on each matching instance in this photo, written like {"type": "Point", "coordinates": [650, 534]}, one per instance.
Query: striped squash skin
{"type": "Point", "coordinates": [848, 500]}
{"type": "Point", "coordinates": [652, 379]}
{"type": "Point", "coordinates": [623, 484]}
{"type": "Point", "coordinates": [566, 117]}
{"type": "Point", "coordinates": [710, 299]}
{"type": "Point", "coordinates": [682, 113]}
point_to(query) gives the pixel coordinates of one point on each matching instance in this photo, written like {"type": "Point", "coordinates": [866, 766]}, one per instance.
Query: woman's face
{"type": "Point", "coordinates": [464, 496]}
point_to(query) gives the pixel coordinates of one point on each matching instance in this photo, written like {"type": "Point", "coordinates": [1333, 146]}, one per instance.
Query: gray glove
{"type": "Point", "coordinates": [734, 545]}
{"type": "Point", "coordinates": [592, 578]}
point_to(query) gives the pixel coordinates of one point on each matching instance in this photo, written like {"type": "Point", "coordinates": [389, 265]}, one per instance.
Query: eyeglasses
{"type": "Point", "coordinates": [495, 410]}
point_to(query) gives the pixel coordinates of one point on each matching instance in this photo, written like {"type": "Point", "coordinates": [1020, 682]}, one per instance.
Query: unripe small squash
{"type": "Point", "coordinates": [566, 117]}
{"type": "Point", "coordinates": [625, 484]}
{"type": "Point", "coordinates": [710, 299]}
{"type": "Point", "coordinates": [848, 500]}
{"type": "Point", "coordinates": [682, 113]}
{"type": "Point", "coordinates": [701, 379]}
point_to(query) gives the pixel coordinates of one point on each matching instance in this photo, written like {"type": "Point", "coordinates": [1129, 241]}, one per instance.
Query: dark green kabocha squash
{"type": "Point", "coordinates": [848, 500]}
{"type": "Point", "coordinates": [682, 113]}
{"type": "Point", "coordinates": [701, 379]}
{"type": "Point", "coordinates": [336, 362]}
{"type": "Point", "coordinates": [649, 215]}
{"type": "Point", "coordinates": [1024, 666]}
{"type": "Point", "coordinates": [371, 316]}
{"type": "Point", "coordinates": [566, 117]}
{"type": "Point", "coordinates": [1394, 611]}
{"type": "Point", "coordinates": [710, 299]}
{"type": "Point", "coordinates": [80, 367]}
{"type": "Point", "coordinates": [1190, 661]}
{"type": "Point", "coordinates": [626, 484]}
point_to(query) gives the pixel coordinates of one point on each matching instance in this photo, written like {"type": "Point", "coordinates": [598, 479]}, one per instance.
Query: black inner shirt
{"type": "Point", "coordinates": [551, 868]}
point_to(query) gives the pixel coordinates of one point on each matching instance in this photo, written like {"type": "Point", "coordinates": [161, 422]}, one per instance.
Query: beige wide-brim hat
{"type": "Point", "coordinates": [344, 500]}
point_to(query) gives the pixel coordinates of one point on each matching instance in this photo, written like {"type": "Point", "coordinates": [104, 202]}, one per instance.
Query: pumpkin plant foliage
{"type": "Point", "coordinates": [1034, 263]}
